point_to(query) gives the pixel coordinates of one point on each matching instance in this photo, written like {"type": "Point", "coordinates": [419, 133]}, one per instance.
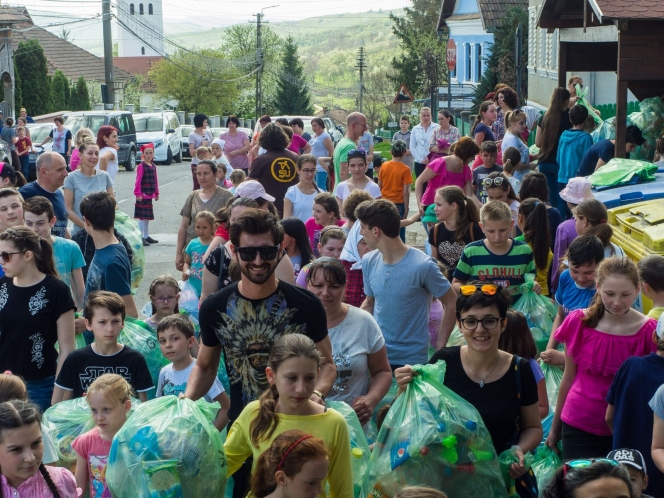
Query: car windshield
{"type": "Point", "coordinates": [39, 133]}
{"type": "Point", "coordinates": [75, 123]}
{"type": "Point", "coordinates": [148, 123]}
{"type": "Point", "coordinates": [217, 131]}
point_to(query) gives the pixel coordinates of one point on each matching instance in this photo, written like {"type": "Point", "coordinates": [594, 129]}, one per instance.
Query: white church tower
{"type": "Point", "coordinates": [143, 30]}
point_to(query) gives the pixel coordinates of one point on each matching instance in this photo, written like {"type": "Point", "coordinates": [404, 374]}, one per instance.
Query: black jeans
{"type": "Point", "coordinates": [581, 444]}
{"type": "Point", "coordinates": [419, 169]}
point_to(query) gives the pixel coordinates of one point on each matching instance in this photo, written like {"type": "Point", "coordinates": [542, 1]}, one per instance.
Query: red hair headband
{"type": "Point", "coordinates": [147, 146]}
{"type": "Point", "coordinates": [291, 449]}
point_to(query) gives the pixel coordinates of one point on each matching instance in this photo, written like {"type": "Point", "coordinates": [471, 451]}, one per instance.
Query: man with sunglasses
{"type": "Point", "coordinates": [246, 318]}
{"type": "Point", "coordinates": [356, 125]}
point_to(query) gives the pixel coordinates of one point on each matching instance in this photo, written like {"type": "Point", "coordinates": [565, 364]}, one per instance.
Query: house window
{"type": "Point", "coordinates": [131, 9]}
{"type": "Point", "coordinates": [140, 9]}
{"type": "Point", "coordinates": [554, 50]}
{"type": "Point", "coordinates": [142, 50]}
{"type": "Point", "coordinates": [542, 48]}
{"type": "Point", "coordinates": [479, 62]}
{"type": "Point", "coordinates": [469, 62]}
{"type": "Point", "coordinates": [150, 12]}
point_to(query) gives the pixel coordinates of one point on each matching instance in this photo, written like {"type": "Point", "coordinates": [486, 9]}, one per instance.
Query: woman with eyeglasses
{"type": "Point", "coordinates": [501, 386]}
{"type": "Point", "coordinates": [299, 198]}
{"type": "Point", "coordinates": [36, 311]}
{"type": "Point", "coordinates": [357, 342]}
{"type": "Point", "coordinates": [594, 478]}
{"type": "Point", "coordinates": [357, 168]}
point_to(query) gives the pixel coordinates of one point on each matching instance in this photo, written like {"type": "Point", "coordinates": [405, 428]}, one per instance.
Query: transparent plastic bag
{"type": "Point", "coordinates": [553, 376]}
{"type": "Point", "coordinates": [619, 170]}
{"type": "Point", "coordinates": [545, 465]}
{"type": "Point", "coordinates": [69, 419]}
{"type": "Point", "coordinates": [540, 311]}
{"type": "Point", "coordinates": [432, 437]}
{"type": "Point", "coordinates": [388, 399]}
{"type": "Point", "coordinates": [128, 228]}
{"type": "Point", "coordinates": [140, 337]}
{"type": "Point", "coordinates": [188, 298]}
{"type": "Point", "coordinates": [168, 448]}
{"type": "Point", "coordinates": [456, 338]}
{"type": "Point", "coordinates": [359, 447]}
{"type": "Point", "coordinates": [506, 459]}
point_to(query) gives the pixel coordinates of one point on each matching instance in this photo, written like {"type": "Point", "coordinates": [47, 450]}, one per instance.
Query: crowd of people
{"type": "Point", "coordinates": [308, 293]}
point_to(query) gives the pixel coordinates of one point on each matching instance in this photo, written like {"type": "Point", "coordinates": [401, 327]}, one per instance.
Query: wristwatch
{"type": "Point", "coordinates": [319, 394]}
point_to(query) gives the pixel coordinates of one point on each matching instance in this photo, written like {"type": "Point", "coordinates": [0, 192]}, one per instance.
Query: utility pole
{"type": "Point", "coordinates": [108, 50]}
{"type": "Point", "coordinates": [361, 66]}
{"type": "Point", "coordinates": [260, 62]}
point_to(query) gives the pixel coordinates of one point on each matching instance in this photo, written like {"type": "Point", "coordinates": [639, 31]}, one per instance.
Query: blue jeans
{"type": "Point", "coordinates": [321, 180]}
{"type": "Point", "coordinates": [401, 208]}
{"type": "Point", "coordinates": [25, 165]}
{"type": "Point", "coordinates": [40, 391]}
{"type": "Point", "coordinates": [550, 171]}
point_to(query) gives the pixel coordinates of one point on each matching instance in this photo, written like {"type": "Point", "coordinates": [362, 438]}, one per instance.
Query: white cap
{"type": "Point", "coordinates": [253, 190]}
{"type": "Point", "coordinates": [221, 143]}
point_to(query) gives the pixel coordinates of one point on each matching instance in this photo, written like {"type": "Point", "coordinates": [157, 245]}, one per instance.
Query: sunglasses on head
{"type": "Point", "coordinates": [359, 152]}
{"type": "Point", "coordinates": [580, 464]}
{"type": "Point", "coordinates": [268, 253]}
{"type": "Point", "coordinates": [493, 182]}
{"type": "Point", "coordinates": [486, 289]}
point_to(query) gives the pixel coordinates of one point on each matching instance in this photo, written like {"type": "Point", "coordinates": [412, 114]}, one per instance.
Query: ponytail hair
{"type": "Point", "coordinates": [596, 215]}
{"type": "Point", "coordinates": [15, 414]}
{"type": "Point", "coordinates": [288, 453]}
{"type": "Point", "coordinates": [511, 158]}
{"type": "Point", "coordinates": [620, 266]}
{"type": "Point", "coordinates": [25, 240]}
{"type": "Point", "coordinates": [484, 106]}
{"type": "Point", "coordinates": [288, 346]}
{"type": "Point", "coordinates": [536, 230]}
{"type": "Point", "coordinates": [566, 481]}
{"type": "Point", "coordinates": [467, 212]}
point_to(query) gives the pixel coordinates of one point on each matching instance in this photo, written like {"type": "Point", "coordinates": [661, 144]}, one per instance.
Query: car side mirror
{"type": "Point", "coordinates": [170, 130]}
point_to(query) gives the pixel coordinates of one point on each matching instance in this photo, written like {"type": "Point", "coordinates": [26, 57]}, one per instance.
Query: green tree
{"type": "Point", "coordinates": [501, 61]}
{"type": "Point", "coordinates": [292, 92]}
{"type": "Point", "coordinates": [131, 94]}
{"type": "Point", "coordinates": [60, 92]}
{"type": "Point", "coordinates": [200, 81]}
{"type": "Point", "coordinates": [30, 64]}
{"type": "Point", "coordinates": [80, 99]}
{"type": "Point", "coordinates": [379, 92]}
{"type": "Point", "coordinates": [420, 44]}
{"type": "Point", "coordinates": [18, 96]}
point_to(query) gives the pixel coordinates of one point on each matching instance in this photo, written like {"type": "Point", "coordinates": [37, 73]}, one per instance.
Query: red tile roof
{"type": "Point", "coordinates": [136, 65]}
{"type": "Point", "coordinates": [631, 9]}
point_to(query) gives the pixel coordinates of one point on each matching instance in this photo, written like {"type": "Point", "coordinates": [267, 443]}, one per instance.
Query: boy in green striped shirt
{"type": "Point", "coordinates": [497, 259]}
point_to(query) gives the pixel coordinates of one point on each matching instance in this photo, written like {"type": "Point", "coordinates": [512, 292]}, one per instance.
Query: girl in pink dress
{"type": "Point", "coordinates": [597, 341]}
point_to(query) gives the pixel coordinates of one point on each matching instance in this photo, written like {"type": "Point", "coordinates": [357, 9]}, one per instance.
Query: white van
{"type": "Point", "coordinates": [163, 130]}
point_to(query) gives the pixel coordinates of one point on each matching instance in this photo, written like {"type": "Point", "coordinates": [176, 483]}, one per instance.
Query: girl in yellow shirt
{"type": "Point", "coordinates": [291, 372]}
{"type": "Point", "coordinates": [534, 223]}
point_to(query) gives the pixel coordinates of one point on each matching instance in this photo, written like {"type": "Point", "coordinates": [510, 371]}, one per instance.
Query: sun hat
{"type": "Point", "coordinates": [577, 190]}
{"type": "Point", "coordinates": [253, 190]}
{"type": "Point", "coordinates": [430, 215]}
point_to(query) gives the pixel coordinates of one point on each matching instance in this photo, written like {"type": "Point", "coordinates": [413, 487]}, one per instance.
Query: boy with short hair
{"type": "Point", "coordinates": [110, 268]}
{"type": "Point", "coordinates": [576, 287]}
{"type": "Point", "coordinates": [394, 180]}
{"type": "Point", "coordinates": [574, 143]}
{"type": "Point", "coordinates": [496, 259]}
{"type": "Point", "coordinates": [23, 149]}
{"type": "Point", "coordinates": [651, 269]}
{"type": "Point", "coordinates": [104, 316]}
{"type": "Point", "coordinates": [635, 464]}
{"type": "Point", "coordinates": [404, 134]}
{"type": "Point", "coordinates": [175, 334]}
{"type": "Point", "coordinates": [489, 154]}
{"type": "Point", "coordinates": [68, 258]}
{"type": "Point", "coordinates": [629, 414]}
{"type": "Point", "coordinates": [11, 208]}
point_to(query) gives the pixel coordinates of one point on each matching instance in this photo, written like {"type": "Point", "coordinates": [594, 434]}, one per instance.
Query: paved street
{"type": "Point", "coordinates": [174, 186]}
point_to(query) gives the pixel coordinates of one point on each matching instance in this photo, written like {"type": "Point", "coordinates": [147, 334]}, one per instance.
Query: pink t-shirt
{"type": "Point", "coordinates": [74, 160]}
{"type": "Point", "coordinates": [598, 357]}
{"type": "Point", "coordinates": [95, 450]}
{"type": "Point", "coordinates": [235, 142]}
{"type": "Point", "coordinates": [444, 178]}
{"type": "Point", "coordinates": [313, 230]}
{"type": "Point", "coordinates": [36, 485]}
{"type": "Point", "coordinates": [297, 143]}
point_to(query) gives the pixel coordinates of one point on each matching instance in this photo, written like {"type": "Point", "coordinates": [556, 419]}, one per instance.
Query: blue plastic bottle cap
{"type": "Point", "coordinates": [471, 425]}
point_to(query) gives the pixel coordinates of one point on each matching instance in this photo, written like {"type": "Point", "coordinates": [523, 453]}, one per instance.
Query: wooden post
{"type": "Point", "coordinates": [621, 105]}
{"type": "Point", "coordinates": [562, 64]}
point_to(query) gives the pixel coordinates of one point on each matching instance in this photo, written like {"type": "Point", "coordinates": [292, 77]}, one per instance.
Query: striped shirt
{"type": "Point", "coordinates": [506, 270]}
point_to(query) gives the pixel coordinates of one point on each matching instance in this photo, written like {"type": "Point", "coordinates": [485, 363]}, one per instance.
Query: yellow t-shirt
{"type": "Point", "coordinates": [542, 276]}
{"type": "Point", "coordinates": [656, 312]}
{"type": "Point", "coordinates": [329, 426]}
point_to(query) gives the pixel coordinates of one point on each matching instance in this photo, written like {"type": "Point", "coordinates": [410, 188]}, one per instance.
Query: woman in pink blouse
{"type": "Point", "coordinates": [237, 145]}
{"type": "Point", "coordinates": [597, 341]}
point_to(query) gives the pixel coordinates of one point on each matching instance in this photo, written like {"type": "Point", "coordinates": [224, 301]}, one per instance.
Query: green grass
{"type": "Point", "coordinates": [384, 149]}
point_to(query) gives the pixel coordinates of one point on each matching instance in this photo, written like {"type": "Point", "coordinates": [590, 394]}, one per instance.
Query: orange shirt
{"type": "Point", "coordinates": [393, 176]}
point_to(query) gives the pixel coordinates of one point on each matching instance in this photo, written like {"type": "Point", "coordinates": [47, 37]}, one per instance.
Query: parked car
{"type": "Point", "coordinates": [218, 131]}
{"type": "Point", "coordinates": [38, 133]}
{"type": "Point", "coordinates": [164, 131]}
{"type": "Point", "coordinates": [330, 127]}
{"type": "Point", "coordinates": [185, 131]}
{"type": "Point", "coordinates": [122, 120]}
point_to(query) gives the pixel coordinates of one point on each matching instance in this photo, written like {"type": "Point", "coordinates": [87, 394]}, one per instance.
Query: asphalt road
{"type": "Point", "coordinates": [175, 184]}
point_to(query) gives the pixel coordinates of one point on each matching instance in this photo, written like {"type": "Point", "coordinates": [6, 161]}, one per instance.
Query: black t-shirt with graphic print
{"type": "Point", "coordinates": [246, 329]}
{"type": "Point", "coordinates": [449, 250]}
{"type": "Point", "coordinates": [28, 326]}
{"type": "Point", "coordinates": [83, 366]}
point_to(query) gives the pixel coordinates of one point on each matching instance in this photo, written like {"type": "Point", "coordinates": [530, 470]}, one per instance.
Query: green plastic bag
{"type": "Point", "coordinates": [581, 100]}
{"type": "Point", "coordinates": [359, 449]}
{"type": "Point", "coordinates": [128, 228]}
{"type": "Point", "coordinates": [506, 459]}
{"type": "Point", "coordinates": [169, 448]}
{"type": "Point", "coordinates": [619, 170]}
{"type": "Point", "coordinates": [545, 465]}
{"type": "Point", "coordinates": [456, 338]}
{"type": "Point", "coordinates": [140, 337]}
{"type": "Point", "coordinates": [553, 376]}
{"type": "Point", "coordinates": [432, 437]}
{"type": "Point", "coordinates": [79, 343]}
{"type": "Point", "coordinates": [540, 311]}
{"type": "Point", "coordinates": [69, 419]}
{"type": "Point", "coordinates": [372, 427]}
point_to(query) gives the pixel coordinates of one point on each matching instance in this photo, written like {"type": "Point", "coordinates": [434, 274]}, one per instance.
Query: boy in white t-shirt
{"type": "Point", "coordinates": [176, 337]}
